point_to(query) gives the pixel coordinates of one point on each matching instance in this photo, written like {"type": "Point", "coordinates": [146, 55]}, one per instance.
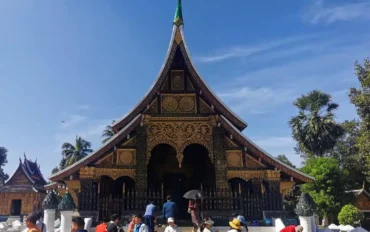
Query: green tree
{"type": "Point", "coordinates": [346, 152]}
{"type": "Point", "coordinates": [314, 128]}
{"type": "Point", "coordinates": [3, 161]}
{"type": "Point", "coordinates": [108, 132]}
{"type": "Point", "coordinates": [350, 215]}
{"type": "Point", "coordinates": [55, 170]}
{"type": "Point", "coordinates": [285, 160]}
{"type": "Point", "coordinates": [360, 97]}
{"type": "Point", "coordinates": [73, 153]}
{"type": "Point", "coordinates": [327, 190]}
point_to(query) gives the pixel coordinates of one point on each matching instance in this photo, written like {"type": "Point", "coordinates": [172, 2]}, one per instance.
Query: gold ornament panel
{"type": "Point", "coordinates": [230, 143]}
{"type": "Point", "coordinates": [253, 174]}
{"type": "Point", "coordinates": [179, 103]}
{"type": "Point", "coordinates": [177, 80]}
{"type": "Point", "coordinates": [179, 133]}
{"type": "Point", "coordinates": [30, 202]}
{"type": "Point", "coordinates": [114, 173]}
{"type": "Point", "coordinates": [126, 156]}
{"type": "Point", "coordinates": [178, 37]}
{"type": "Point", "coordinates": [129, 143]}
{"type": "Point", "coordinates": [108, 159]}
{"type": "Point", "coordinates": [19, 178]}
{"type": "Point", "coordinates": [204, 108]}
{"type": "Point", "coordinates": [234, 158]}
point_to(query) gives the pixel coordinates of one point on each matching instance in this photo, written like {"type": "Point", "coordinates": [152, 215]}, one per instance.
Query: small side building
{"type": "Point", "coordinates": [24, 192]}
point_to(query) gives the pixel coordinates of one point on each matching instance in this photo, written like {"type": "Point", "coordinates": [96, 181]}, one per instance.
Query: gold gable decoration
{"type": "Point", "coordinates": [177, 80]}
{"type": "Point", "coordinates": [129, 143]}
{"type": "Point", "coordinates": [204, 108]}
{"type": "Point", "coordinates": [114, 173]}
{"type": "Point", "coordinates": [179, 103]}
{"type": "Point", "coordinates": [153, 107]}
{"type": "Point", "coordinates": [230, 143]}
{"type": "Point", "coordinates": [234, 158]}
{"type": "Point", "coordinates": [179, 133]}
{"type": "Point", "coordinates": [254, 174]}
{"type": "Point", "coordinates": [126, 156]}
{"type": "Point", "coordinates": [178, 37]}
{"type": "Point", "coordinates": [108, 159]}
{"type": "Point", "coordinates": [285, 187]}
{"type": "Point", "coordinates": [74, 187]}
{"type": "Point", "coordinates": [253, 163]}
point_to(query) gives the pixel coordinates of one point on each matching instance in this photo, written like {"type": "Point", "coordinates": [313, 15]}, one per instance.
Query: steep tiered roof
{"type": "Point", "coordinates": [232, 123]}
{"type": "Point", "coordinates": [26, 178]}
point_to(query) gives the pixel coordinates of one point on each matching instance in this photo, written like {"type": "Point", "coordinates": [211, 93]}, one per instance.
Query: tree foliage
{"type": "Point", "coordinates": [3, 161]}
{"type": "Point", "coordinates": [327, 190]}
{"type": "Point", "coordinates": [314, 128]}
{"type": "Point", "coordinates": [360, 97]}
{"type": "Point", "coordinates": [55, 170]}
{"type": "Point", "coordinates": [73, 153]}
{"type": "Point", "coordinates": [108, 132]}
{"type": "Point", "coordinates": [349, 215]}
{"type": "Point", "coordinates": [285, 160]}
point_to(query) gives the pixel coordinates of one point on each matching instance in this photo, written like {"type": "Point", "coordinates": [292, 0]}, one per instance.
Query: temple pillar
{"type": "Point", "coordinates": [219, 155]}
{"type": "Point", "coordinates": [66, 221]}
{"type": "Point", "coordinates": [49, 219]}
{"type": "Point", "coordinates": [141, 164]}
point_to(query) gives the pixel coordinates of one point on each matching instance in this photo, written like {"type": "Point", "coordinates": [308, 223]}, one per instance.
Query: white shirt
{"type": "Point", "coordinates": [143, 228]}
{"type": "Point", "coordinates": [175, 228]}
{"type": "Point", "coordinates": [206, 230]}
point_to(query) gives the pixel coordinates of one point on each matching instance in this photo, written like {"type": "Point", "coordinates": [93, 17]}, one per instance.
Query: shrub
{"type": "Point", "coordinates": [349, 215]}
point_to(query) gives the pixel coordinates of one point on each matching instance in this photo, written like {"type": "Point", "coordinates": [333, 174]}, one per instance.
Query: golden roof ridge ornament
{"type": "Point", "coordinates": [178, 20]}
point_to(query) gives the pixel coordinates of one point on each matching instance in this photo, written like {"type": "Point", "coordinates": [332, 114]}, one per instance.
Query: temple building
{"type": "Point", "coordinates": [180, 136]}
{"type": "Point", "coordinates": [24, 192]}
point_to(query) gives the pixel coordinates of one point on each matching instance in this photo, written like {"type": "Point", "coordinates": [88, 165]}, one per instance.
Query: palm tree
{"type": "Point", "coordinates": [314, 128]}
{"type": "Point", "coordinates": [108, 132]}
{"type": "Point", "coordinates": [74, 153]}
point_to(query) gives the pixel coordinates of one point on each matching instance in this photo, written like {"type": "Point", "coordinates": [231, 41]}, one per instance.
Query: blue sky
{"type": "Point", "coordinates": [88, 62]}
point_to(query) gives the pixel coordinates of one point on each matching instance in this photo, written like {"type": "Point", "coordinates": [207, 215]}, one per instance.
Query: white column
{"type": "Point", "coordinates": [306, 223]}
{"type": "Point", "coordinates": [66, 222]}
{"type": "Point", "coordinates": [49, 219]}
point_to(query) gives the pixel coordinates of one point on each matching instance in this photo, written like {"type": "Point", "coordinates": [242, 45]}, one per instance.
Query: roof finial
{"type": "Point", "coordinates": [178, 21]}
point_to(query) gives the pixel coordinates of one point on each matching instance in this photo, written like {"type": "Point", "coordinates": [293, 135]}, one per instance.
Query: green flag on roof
{"type": "Point", "coordinates": [178, 15]}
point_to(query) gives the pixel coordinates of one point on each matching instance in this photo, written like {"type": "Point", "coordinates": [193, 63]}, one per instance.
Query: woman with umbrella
{"type": "Point", "coordinates": [194, 197]}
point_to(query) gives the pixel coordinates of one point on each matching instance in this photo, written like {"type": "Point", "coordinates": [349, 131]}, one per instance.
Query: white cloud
{"type": "Point", "coordinates": [256, 100]}
{"type": "Point", "coordinates": [246, 51]}
{"type": "Point", "coordinates": [318, 13]}
{"type": "Point", "coordinates": [277, 145]}
{"type": "Point", "coordinates": [83, 107]}
{"type": "Point", "coordinates": [72, 120]}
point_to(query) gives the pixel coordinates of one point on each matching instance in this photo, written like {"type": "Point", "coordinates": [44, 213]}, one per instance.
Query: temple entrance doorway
{"type": "Point", "coordinates": [196, 172]}
{"type": "Point", "coordinates": [16, 207]}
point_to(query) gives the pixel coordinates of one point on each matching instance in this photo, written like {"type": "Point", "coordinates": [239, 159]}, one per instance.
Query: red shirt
{"type": "Point", "coordinates": [101, 228]}
{"type": "Point", "coordinates": [288, 229]}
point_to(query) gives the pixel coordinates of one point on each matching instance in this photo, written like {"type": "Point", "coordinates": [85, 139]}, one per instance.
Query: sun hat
{"type": "Point", "coordinates": [209, 222]}
{"type": "Point", "coordinates": [170, 219]}
{"type": "Point", "coordinates": [235, 224]}
{"type": "Point", "coordinates": [242, 220]}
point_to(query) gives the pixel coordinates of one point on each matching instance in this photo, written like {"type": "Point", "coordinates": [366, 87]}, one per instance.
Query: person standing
{"type": "Point", "coordinates": [149, 216]}
{"type": "Point", "coordinates": [31, 223]}
{"type": "Point", "coordinates": [172, 227]}
{"type": "Point", "coordinates": [113, 224]}
{"type": "Point", "coordinates": [39, 223]}
{"type": "Point", "coordinates": [102, 227]}
{"type": "Point", "coordinates": [169, 208]}
{"type": "Point", "coordinates": [194, 210]}
{"type": "Point", "coordinates": [78, 225]}
{"type": "Point", "coordinates": [139, 225]}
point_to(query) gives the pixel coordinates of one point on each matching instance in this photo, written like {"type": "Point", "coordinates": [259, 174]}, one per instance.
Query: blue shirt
{"type": "Point", "coordinates": [169, 209]}
{"type": "Point", "coordinates": [150, 210]}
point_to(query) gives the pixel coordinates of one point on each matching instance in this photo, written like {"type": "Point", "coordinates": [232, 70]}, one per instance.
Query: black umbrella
{"type": "Point", "coordinates": [193, 194]}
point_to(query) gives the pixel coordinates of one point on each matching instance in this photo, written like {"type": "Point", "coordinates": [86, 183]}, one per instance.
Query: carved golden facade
{"type": "Point", "coordinates": [29, 202]}
{"type": "Point", "coordinates": [126, 156]}
{"type": "Point", "coordinates": [285, 187]}
{"type": "Point", "coordinates": [74, 187]}
{"type": "Point", "coordinates": [254, 174]}
{"type": "Point", "coordinates": [114, 173]}
{"type": "Point", "coordinates": [179, 133]}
